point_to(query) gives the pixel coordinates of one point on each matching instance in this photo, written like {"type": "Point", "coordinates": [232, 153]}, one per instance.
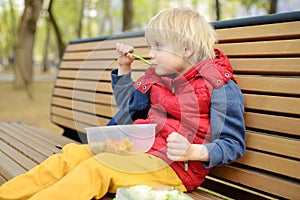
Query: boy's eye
{"type": "Point", "coordinates": [157, 45]}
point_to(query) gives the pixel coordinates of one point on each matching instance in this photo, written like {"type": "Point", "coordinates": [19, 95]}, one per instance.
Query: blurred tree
{"type": "Point", "coordinates": [60, 44]}
{"type": "Point", "coordinates": [46, 48]}
{"type": "Point", "coordinates": [81, 14]}
{"type": "Point", "coordinates": [269, 5]}
{"type": "Point", "coordinates": [273, 7]}
{"type": "Point", "coordinates": [24, 48]}
{"type": "Point", "coordinates": [104, 18]}
{"type": "Point", "coordinates": [218, 15]}
{"type": "Point", "coordinates": [8, 29]}
{"type": "Point", "coordinates": [127, 15]}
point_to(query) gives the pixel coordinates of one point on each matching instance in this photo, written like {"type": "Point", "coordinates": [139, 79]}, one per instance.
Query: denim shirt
{"type": "Point", "coordinates": [226, 112]}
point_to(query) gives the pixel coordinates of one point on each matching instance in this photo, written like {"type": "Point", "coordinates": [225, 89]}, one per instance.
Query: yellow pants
{"type": "Point", "coordinates": [76, 173]}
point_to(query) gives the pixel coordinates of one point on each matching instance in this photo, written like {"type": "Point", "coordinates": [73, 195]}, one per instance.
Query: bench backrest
{"type": "Point", "coordinates": [265, 55]}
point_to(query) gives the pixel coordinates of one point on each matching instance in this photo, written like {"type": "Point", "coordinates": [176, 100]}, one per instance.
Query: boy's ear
{"type": "Point", "coordinates": [188, 51]}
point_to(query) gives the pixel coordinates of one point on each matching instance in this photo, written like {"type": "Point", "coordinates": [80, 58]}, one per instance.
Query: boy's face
{"type": "Point", "coordinates": [166, 60]}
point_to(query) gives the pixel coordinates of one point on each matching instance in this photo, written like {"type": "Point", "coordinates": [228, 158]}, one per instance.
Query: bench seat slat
{"type": "Point", "coordinates": [14, 155]}
{"type": "Point", "coordinates": [8, 168]}
{"type": "Point", "coordinates": [2, 179]}
{"type": "Point", "coordinates": [24, 149]}
{"type": "Point", "coordinates": [54, 139]}
{"type": "Point", "coordinates": [37, 155]}
{"type": "Point", "coordinates": [28, 138]}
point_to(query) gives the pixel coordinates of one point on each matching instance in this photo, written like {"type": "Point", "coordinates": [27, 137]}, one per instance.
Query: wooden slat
{"type": "Point", "coordinates": [284, 125]}
{"type": "Point", "coordinates": [2, 179]}
{"type": "Point", "coordinates": [260, 181]}
{"type": "Point", "coordinates": [199, 194]}
{"type": "Point", "coordinates": [25, 145]}
{"type": "Point", "coordinates": [88, 64]}
{"type": "Point", "coordinates": [79, 117]}
{"type": "Point", "coordinates": [85, 85]}
{"type": "Point", "coordinates": [263, 48]}
{"type": "Point", "coordinates": [87, 107]}
{"type": "Point", "coordinates": [106, 44]}
{"type": "Point", "coordinates": [285, 66]}
{"type": "Point", "coordinates": [15, 155]}
{"type": "Point", "coordinates": [8, 168]}
{"type": "Point", "coordinates": [77, 125]}
{"type": "Point", "coordinates": [99, 65]}
{"type": "Point", "coordinates": [85, 96]}
{"type": "Point", "coordinates": [277, 85]}
{"type": "Point", "coordinates": [69, 123]}
{"type": "Point", "coordinates": [271, 163]}
{"type": "Point", "coordinates": [100, 54]}
{"type": "Point", "coordinates": [260, 32]}
{"type": "Point", "coordinates": [94, 75]}
{"type": "Point", "coordinates": [38, 143]}
{"type": "Point", "coordinates": [52, 138]}
{"type": "Point", "coordinates": [290, 105]}
{"type": "Point", "coordinates": [273, 144]}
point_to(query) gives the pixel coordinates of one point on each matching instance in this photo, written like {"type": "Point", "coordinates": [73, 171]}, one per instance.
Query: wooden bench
{"type": "Point", "coordinates": [24, 146]}
{"type": "Point", "coordinates": [265, 54]}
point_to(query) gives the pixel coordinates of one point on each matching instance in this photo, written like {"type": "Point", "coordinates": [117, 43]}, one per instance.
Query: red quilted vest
{"type": "Point", "coordinates": [181, 104]}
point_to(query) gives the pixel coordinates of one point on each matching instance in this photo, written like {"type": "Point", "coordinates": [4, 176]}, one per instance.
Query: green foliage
{"type": "Point", "coordinates": [9, 20]}
{"type": "Point", "coordinates": [100, 17]}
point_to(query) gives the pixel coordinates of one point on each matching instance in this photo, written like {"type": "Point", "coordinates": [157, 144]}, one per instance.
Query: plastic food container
{"type": "Point", "coordinates": [141, 135]}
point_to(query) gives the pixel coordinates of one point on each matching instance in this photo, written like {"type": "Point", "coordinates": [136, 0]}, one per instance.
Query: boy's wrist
{"type": "Point", "coordinates": [199, 152]}
{"type": "Point", "coordinates": [124, 69]}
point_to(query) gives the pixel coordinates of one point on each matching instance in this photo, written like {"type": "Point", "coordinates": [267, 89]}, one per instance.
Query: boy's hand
{"type": "Point", "coordinates": [125, 58]}
{"type": "Point", "coordinates": [178, 147]}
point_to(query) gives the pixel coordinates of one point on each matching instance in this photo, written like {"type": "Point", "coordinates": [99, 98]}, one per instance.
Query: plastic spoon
{"type": "Point", "coordinates": [141, 58]}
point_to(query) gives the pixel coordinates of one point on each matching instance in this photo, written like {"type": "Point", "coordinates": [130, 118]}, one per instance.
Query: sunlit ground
{"type": "Point", "coordinates": [16, 106]}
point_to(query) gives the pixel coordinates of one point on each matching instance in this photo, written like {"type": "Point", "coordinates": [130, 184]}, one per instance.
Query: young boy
{"type": "Point", "coordinates": [183, 93]}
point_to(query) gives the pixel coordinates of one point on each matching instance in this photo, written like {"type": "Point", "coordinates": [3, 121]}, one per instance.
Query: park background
{"type": "Point", "coordinates": [29, 62]}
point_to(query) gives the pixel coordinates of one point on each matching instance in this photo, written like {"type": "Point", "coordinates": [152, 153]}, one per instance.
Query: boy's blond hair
{"type": "Point", "coordinates": [183, 27]}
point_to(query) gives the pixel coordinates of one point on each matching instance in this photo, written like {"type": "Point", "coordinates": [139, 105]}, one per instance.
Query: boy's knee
{"type": "Point", "coordinates": [73, 148]}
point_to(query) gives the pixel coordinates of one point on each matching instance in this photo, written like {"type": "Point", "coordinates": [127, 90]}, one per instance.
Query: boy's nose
{"type": "Point", "coordinates": [151, 54]}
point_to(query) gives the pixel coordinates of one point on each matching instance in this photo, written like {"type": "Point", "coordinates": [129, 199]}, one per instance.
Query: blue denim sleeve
{"type": "Point", "coordinates": [227, 126]}
{"type": "Point", "coordinates": [132, 103]}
